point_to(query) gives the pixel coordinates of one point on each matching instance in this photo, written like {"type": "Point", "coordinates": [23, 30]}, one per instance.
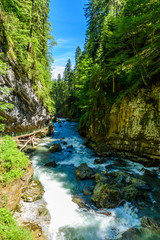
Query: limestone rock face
{"type": "Point", "coordinates": [10, 195]}
{"type": "Point", "coordinates": [131, 125]}
{"type": "Point", "coordinates": [28, 112]}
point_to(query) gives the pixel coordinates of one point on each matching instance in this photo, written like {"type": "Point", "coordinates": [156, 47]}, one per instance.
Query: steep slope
{"type": "Point", "coordinates": [25, 64]}
{"type": "Point", "coordinates": [131, 125]}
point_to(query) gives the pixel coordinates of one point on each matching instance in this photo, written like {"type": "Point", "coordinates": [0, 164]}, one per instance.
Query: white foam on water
{"type": "Point", "coordinates": [67, 220]}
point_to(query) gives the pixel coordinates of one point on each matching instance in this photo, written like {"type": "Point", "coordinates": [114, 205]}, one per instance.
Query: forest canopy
{"type": "Point", "coordinates": [122, 53]}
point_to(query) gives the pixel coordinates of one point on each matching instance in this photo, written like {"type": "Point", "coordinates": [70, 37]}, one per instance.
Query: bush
{"type": "Point", "coordinates": [13, 163]}
{"type": "Point", "coordinates": [9, 229]}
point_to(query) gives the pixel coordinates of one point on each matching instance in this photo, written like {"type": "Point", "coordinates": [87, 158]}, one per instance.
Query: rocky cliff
{"type": "Point", "coordinates": [133, 125]}
{"type": "Point", "coordinates": [28, 112]}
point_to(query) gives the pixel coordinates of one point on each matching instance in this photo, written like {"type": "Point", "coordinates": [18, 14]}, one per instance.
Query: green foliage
{"type": "Point", "coordinates": [12, 162]}
{"type": "Point", "coordinates": [123, 39]}
{"type": "Point", "coordinates": [9, 229]}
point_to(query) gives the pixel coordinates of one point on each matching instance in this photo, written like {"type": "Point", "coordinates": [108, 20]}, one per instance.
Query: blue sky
{"type": "Point", "coordinates": [69, 28]}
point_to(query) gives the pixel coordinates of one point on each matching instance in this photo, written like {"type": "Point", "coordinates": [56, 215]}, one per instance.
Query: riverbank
{"type": "Point", "coordinates": [18, 186]}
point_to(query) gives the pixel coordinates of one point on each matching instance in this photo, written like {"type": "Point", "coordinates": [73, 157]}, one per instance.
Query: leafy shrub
{"type": "Point", "coordinates": [12, 161]}
{"type": "Point", "coordinates": [9, 229]}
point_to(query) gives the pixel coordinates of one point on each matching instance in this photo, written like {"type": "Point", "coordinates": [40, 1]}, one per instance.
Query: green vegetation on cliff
{"type": "Point", "coordinates": [25, 41]}
{"type": "Point", "coordinates": [13, 163]}
{"type": "Point", "coordinates": [9, 229]}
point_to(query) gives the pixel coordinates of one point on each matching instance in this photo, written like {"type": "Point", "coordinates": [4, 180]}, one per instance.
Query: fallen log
{"type": "Point", "coordinates": [17, 138]}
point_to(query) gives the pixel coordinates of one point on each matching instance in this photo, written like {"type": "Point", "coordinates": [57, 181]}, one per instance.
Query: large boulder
{"type": "Point", "coordinates": [33, 192]}
{"type": "Point", "coordinates": [84, 172]}
{"type": "Point", "coordinates": [56, 147]}
{"type": "Point", "coordinates": [106, 196]}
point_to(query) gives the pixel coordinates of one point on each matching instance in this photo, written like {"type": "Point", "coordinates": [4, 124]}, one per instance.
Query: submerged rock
{"type": "Point", "coordinates": [132, 234]}
{"type": "Point", "coordinates": [100, 160]}
{"type": "Point", "coordinates": [56, 147]}
{"type": "Point", "coordinates": [33, 192]}
{"type": "Point", "coordinates": [84, 172]}
{"type": "Point", "coordinates": [69, 146]}
{"type": "Point", "coordinates": [150, 223]}
{"type": "Point", "coordinates": [52, 164]}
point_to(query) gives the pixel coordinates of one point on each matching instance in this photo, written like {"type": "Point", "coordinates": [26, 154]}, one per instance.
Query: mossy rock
{"type": "Point", "coordinates": [140, 184]}
{"type": "Point", "coordinates": [150, 224]}
{"type": "Point", "coordinates": [99, 177]}
{"type": "Point", "coordinates": [56, 147]}
{"type": "Point", "coordinates": [106, 196]}
{"type": "Point", "coordinates": [132, 234]}
{"type": "Point", "coordinates": [129, 193]}
{"type": "Point", "coordinates": [33, 192]}
{"type": "Point", "coordinates": [84, 172]}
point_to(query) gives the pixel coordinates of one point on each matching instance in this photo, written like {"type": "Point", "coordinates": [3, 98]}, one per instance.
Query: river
{"type": "Point", "coordinates": [68, 221]}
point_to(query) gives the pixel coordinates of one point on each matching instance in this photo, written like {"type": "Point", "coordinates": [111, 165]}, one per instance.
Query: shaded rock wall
{"type": "Point", "coordinates": [132, 125]}
{"type": "Point", "coordinates": [28, 112]}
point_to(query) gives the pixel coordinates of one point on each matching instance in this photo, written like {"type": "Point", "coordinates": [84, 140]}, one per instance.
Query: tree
{"type": "Point", "coordinates": [68, 75]}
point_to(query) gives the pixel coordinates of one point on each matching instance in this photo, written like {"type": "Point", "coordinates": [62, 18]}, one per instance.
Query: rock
{"type": "Point", "coordinates": [150, 223]}
{"type": "Point", "coordinates": [43, 214]}
{"type": "Point", "coordinates": [64, 143]}
{"type": "Point", "coordinates": [50, 130]}
{"type": "Point", "coordinates": [84, 172]}
{"type": "Point", "coordinates": [119, 177]}
{"type": "Point", "coordinates": [52, 164]}
{"type": "Point", "coordinates": [56, 147]}
{"type": "Point", "coordinates": [30, 149]}
{"type": "Point", "coordinates": [131, 234]}
{"type": "Point", "coordinates": [100, 178]}
{"type": "Point", "coordinates": [138, 183]}
{"type": "Point", "coordinates": [89, 144]}
{"type": "Point", "coordinates": [106, 196]}
{"type": "Point", "coordinates": [102, 148]}
{"type": "Point", "coordinates": [100, 161]}
{"type": "Point", "coordinates": [69, 146]}
{"type": "Point", "coordinates": [36, 230]}
{"type": "Point", "coordinates": [80, 202]}
{"type": "Point", "coordinates": [129, 193]}
{"type": "Point", "coordinates": [87, 192]}
{"type": "Point", "coordinates": [33, 192]}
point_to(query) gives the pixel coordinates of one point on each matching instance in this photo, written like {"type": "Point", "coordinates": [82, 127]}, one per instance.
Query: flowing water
{"type": "Point", "coordinates": [68, 221]}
